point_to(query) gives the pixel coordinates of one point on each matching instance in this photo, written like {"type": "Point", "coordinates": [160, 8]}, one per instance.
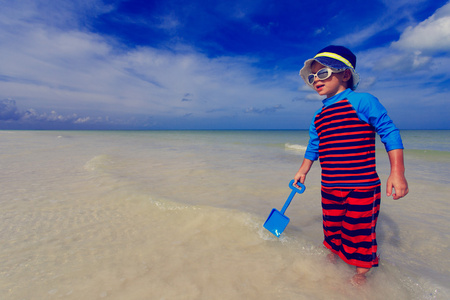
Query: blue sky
{"type": "Point", "coordinates": [200, 64]}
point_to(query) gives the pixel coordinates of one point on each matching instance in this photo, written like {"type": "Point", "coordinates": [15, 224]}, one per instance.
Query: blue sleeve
{"type": "Point", "coordinates": [371, 111]}
{"type": "Point", "coordinates": [312, 151]}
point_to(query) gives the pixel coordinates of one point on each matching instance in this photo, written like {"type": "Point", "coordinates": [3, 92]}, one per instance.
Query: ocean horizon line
{"type": "Point", "coordinates": [190, 129]}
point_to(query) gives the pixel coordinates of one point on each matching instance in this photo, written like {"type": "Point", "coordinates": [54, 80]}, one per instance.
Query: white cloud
{"type": "Point", "coordinates": [8, 110]}
{"type": "Point", "coordinates": [82, 120]}
{"type": "Point", "coordinates": [401, 61]}
{"type": "Point", "coordinates": [314, 97]}
{"type": "Point", "coordinates": [359, 37]}
{"type": "Point", "coordinates": [367, 82]}
{"type": "Point", "coordinates": [47, 67]}
{"type": "Point", "coordinates": [429, 36]}
{"type": "Point", "coordinates": [393, 12]}
{"type": "Point", "coordinates": [31, 115]}
{"type": "Point", "coordinates": [57, 70]}
{"type": "Point", "coordinates": [266, 110]}
{"type": "Point", "coordinates": [420, 48]}
{"type": "Point", "coordinates": [394, 6]}
{"type": "Point", "coordinates": [168, 22]}
{"type": "Point", "coordinates": [61, 14]}
{"type": "Point", "coordinates": [319, 30]}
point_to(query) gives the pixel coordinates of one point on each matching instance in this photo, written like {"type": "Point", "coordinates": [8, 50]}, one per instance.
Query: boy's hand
{"type": "Point", "coordinates": [302, 172]}
{"type": "Point", "coordinates": [397, 181]}
{"type": "Point", "coordinates": [299, 177]}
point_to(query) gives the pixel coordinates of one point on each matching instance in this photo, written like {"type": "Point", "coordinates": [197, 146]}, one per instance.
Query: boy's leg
{"type": "Point", "coordinates": [359, 245]}
{"type": "Point", "coordinates": [360, 277]}
{"type": "Point", "coordinates": [349, 222]}
{"type": "Point", "coordinates": [334, 208]}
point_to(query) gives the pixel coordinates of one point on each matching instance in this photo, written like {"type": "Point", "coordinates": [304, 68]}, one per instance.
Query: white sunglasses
{"type": "Point", "coordinates": [322, 74]}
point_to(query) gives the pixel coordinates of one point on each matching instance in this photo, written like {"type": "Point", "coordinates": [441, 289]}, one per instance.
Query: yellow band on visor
{"type": "Point", "coordinates": [335, 56]}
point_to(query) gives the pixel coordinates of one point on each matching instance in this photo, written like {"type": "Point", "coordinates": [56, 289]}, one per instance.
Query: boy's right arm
{"type": "Point", "coordinates": [311, 154]}
{"type": "Point", "coordinates": [396, 180]}
{"type": "Point", "coordinates": [303, 171]}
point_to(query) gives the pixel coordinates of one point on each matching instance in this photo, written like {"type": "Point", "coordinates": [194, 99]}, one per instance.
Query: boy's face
{"type": "Point", "coordinates": [331, 86]}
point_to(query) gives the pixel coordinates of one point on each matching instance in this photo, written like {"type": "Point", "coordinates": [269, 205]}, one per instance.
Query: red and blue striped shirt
{"type": "Point", "coordinates": [342, 136]}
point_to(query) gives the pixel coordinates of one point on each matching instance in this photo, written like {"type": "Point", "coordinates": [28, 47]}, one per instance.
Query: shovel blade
{"type": "Point", "coordinates": [276, 222]}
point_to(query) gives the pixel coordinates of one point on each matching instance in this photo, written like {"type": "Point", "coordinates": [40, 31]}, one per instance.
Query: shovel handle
{"type": "Point", "coordinates": [291, 185]}
{"type": "Point", "coordinates": [294, 191]}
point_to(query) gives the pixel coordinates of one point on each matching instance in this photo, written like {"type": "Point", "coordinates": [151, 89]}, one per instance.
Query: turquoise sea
{"type": "Point", "coordinates": [179, 214]}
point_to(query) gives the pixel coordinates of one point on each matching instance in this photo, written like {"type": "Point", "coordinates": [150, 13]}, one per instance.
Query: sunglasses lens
{"type": "Point", "coordinates": [311, 78]}
{"type": "Point", "coordinates": [324, 73]}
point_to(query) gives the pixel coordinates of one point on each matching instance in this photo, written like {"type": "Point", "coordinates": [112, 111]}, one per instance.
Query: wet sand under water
{"type": "Point", "coordinates": [105, 217]}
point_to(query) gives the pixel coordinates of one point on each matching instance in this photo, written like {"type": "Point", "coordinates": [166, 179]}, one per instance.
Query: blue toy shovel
{"type": "Point", "coordinates": [277, 221]}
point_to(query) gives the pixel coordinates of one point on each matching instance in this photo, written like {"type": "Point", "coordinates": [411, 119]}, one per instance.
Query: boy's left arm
{"type": "Point", "coordinates": [397, 180]}
{"type": "Point", "coordinates": [370, 110]}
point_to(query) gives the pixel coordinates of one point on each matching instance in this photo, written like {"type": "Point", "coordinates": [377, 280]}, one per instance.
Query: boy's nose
{"type": "Point", "coordinates": [316, 78]}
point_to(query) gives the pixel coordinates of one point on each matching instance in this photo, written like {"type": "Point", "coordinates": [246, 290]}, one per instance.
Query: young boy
{"type": "Point", "coordinates": [342, 136]}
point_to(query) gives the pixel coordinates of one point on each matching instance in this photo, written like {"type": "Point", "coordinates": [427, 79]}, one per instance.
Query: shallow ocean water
{"type": "Point", "coordinates": [179, 214]}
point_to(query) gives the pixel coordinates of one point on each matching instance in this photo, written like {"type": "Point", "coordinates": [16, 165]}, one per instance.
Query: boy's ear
{"type": "Point", "coordinates": [347, 75]}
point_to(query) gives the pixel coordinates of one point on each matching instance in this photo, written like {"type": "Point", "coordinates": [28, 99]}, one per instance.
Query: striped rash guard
{"type": "Point", "coordinates": [342, 136]}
